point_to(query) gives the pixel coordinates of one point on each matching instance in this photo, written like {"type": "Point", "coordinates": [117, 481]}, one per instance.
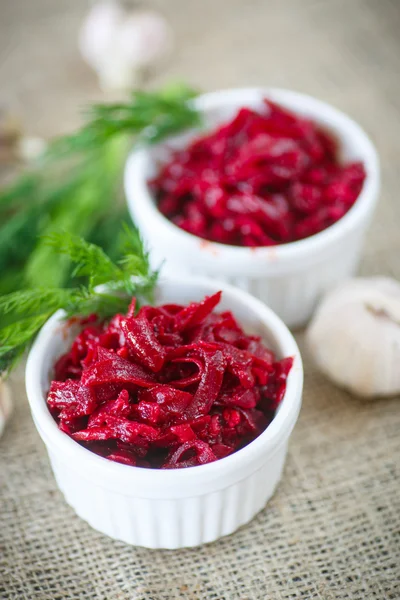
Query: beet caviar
{"type": "Point", "coordinates": [264, 178]}
{"type": "Point", "coordinates": [168, 387]}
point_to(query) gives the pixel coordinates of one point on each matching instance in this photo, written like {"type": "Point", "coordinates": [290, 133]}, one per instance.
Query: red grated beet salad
{"type": "Point", "coordinates": [169, 387]}
{"type": "Point", "coordinates": [262, 179]}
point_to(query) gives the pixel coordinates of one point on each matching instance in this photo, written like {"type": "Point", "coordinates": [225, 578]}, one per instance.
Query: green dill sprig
{"type": "Point", "coordinates": [154, 116]}
{"type": "Point", "coordinates": [76, 186]}
{"type": "Point", "coordinates": [108, 290]}
{"type": "Point", "coordinates": [90, 260]}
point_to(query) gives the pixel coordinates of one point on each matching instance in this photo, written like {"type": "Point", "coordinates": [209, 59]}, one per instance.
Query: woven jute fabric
{"type": "Point", "coordinates": [332, 530]}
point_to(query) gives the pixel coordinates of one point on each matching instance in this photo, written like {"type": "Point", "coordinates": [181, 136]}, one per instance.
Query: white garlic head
{"type": "Point", "coordinates": [354, 336]}
{"type": "Point", "coordinates": [122, 45]}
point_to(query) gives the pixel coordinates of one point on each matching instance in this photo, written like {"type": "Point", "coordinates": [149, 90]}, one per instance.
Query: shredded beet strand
{"type": "Point", "coordinates": [265, 178]}
{"type": "Point", "coordinates": [170, 387]}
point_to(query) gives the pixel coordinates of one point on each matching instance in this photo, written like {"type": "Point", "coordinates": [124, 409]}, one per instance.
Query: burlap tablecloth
{"type": "Point", "coordinates": [332, 529]}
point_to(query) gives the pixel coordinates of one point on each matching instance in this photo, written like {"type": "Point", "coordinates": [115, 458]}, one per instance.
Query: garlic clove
{"type": "Point", "coordinates": [31, 148]}
{"type": "Point", "coordinates": [99, 31]}
{"type": "Point", "coordinates": [354, 336]}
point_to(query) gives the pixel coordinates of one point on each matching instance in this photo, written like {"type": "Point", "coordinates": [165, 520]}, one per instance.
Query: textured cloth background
{"type": "Point", "coordinates": [332, 530]}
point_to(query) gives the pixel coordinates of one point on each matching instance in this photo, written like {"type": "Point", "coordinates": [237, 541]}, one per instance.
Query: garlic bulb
{"type": "Point", "coordinates": [5, 404]}
{"type": "Point", "coordinates": [354, 337]}
{"type": "Point", "coordinates": [122, 45]}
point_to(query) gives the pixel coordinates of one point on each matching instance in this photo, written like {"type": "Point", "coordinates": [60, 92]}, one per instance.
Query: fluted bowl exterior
{"type": "Point", "coordinates": [290, 278]}
{"type": "Point", "coordinates": [170, 508]}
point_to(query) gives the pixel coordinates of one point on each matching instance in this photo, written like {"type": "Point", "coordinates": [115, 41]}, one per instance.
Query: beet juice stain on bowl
{"type": "Point", "coordinates": [264, 178]}
{"type": "Point", "coordinates": [169, 507]}
{"type": "Point", "coordinates": [169, 387]}
{"type": "Point", "coordinates": [275, 198]}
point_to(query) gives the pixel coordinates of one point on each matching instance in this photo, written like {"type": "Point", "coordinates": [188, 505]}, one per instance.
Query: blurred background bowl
{"type": "Point", "coordinates": [290, 278]}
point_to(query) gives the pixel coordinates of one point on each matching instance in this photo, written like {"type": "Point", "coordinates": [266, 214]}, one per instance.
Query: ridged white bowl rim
{"type": "Point", "coordinates": [191, 481]}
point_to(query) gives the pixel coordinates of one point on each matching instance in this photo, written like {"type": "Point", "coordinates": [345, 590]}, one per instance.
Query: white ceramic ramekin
{"type": "Point", "coordinates": [290, 278]}
{"type": "Point", "coordinates": [171, 508]}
